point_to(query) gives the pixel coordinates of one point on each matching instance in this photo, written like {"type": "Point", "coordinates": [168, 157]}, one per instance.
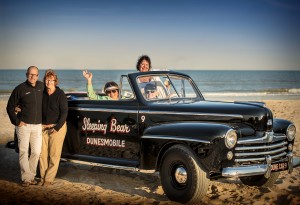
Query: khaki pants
{"type": "Point", "coordinates": [51, 153]}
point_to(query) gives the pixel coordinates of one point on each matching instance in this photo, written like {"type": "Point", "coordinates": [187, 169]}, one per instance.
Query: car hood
{"type": "Point", "coordinates": [254, 114]}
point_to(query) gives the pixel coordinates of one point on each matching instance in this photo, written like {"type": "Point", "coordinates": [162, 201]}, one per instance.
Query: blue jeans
{"type": "Point", "coordinates": [29, 134]}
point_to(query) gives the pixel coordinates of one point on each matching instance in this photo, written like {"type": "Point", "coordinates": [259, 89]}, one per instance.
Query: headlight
{"type": "Point", "coordinates": [230, 138]}
{"type": "Point", "coordinates": [291, 132]}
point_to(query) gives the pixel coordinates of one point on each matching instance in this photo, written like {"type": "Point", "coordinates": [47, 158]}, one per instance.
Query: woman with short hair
{"type": "Point", "coordinates": [54, 115]}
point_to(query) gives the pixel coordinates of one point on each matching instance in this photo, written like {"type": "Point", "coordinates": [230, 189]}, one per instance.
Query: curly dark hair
{"type": "Point", "coordinates": [141, 58]}
{"type": "Point", "coordinates": [51, 73]}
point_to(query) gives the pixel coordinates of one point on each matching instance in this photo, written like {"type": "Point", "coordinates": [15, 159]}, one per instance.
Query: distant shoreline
{"type": "Point", "coordinates": [229, 83]}
{"type": "Point", "coordinates": [227, 96]}
{"type": "Point", "coordinates": [250, 96]}
{"type": "Point", "coordinates": [157, 69]}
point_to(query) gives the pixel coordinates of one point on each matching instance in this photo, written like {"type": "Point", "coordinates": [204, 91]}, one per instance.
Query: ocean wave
{"type": "Point", "coordinates": [282, 90]}
{"type": "Point", "coordinates": [294, 90]}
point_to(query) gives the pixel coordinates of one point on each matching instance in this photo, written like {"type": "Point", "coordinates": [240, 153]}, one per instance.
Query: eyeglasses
{"type": "Point", "coordinates": [33, 75]}
{"type": "Point", "coordinates": [111, 91]}
{"type": "Point", "coordinates": [150, 91]}
{"type": "Point", "coordinates": [50, 81]}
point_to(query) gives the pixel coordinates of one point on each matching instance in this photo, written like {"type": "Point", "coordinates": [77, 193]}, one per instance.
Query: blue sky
{"type": "Point", "coordinates": [112, 34]}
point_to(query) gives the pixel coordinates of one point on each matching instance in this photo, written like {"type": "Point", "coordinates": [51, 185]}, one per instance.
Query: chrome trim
{"type": "Point", "coordinates": [294, 134]}
{"type": "Point", "coordinates": [244, 171]}
{"type": "Point", "coordinates": [290, 161]}
{"type": "Point", "coordinates": [245, 154]}
{"type": "Point", "coordinates": [181, 175]}
{"type": "Point", "coordinates": [107, 165]}
{"type": "Point", "coordinates": [252, 170]}
{"type": "Point", "coordinates": [104, 110]}
{"type": "Point", "coordinates": [174, 138]}
{"type": "Point", "coordinates": [268, 137]}
{"type": "Point", "coordinates": [262, 147]}
{"type": "Point", "coordinates": [189, 113]}
{"type": "Point", "coordinates": [153, 112]}
{"type": "Point", "coordinates": [296, 161]}
{"type": "Point", "coordinates": [270, 122]}
{"type": "Point", "coordinates": [260, 158]}
{"type": "Point", "coordinates": [269, 166]}
{"type": "Point", "coordinates": [226, 136]}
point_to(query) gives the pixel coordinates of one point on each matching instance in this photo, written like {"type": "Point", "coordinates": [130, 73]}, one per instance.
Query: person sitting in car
{"type": "Point", "coordinates": [111, 89]}
{"type": "Point", "coordinates": [150, 91]}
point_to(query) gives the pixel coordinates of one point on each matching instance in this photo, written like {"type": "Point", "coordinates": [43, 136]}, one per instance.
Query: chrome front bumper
{"type": "Point", "coordinates": [259, 169]}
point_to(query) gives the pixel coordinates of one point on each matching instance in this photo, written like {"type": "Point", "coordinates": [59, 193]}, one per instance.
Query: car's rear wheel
{"type": "Point", "coordinates": [182, 177]}
{"type": "Point", "coordinates": [260, 180]}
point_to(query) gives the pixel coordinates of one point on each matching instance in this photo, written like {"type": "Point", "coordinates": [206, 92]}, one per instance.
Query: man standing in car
{"type": "Point", "coordinates": [28, 96]}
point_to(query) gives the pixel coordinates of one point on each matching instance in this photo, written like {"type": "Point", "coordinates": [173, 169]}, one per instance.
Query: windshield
{"type": "Point", "coordinates": [155, 87]}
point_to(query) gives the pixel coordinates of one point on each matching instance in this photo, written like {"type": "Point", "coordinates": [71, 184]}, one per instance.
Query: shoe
{"type": "Point", "coordinates": [47, 183]}
{"type": "Point", "coordinates": [25, 183]}
{"type": "Point", "coordinates": [40, 183]}
{"type": "Point", "coordinates": [33, 182]}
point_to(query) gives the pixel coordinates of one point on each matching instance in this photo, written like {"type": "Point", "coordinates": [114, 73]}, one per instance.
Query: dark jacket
{"type": "Point", "coordinates": [29, 99]}
{"type": "Point", "coordinates": [55, 108]}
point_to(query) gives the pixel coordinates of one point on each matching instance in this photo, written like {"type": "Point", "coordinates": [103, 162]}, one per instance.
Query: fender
{"type": "Point", "coordinates": [158, 138]}
{"type": "Point", "coordinates": [280, 125]}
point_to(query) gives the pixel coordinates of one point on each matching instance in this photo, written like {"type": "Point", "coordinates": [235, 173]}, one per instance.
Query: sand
{"type": "Point", "coordinates": [82, 184]}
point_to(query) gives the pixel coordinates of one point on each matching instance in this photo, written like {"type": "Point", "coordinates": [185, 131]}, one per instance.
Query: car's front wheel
{"type": "Point", "coordinates": [182, 177]}
{"type": "Point", "coordinates": [260, 180]}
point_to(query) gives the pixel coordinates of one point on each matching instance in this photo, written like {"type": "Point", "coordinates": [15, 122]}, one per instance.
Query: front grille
{"type": "Point", "coordinates": [253, 150]}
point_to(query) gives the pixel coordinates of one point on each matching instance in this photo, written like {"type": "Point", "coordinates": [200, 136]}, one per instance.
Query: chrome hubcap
{"type": "Point", "coordinates": [180, 175]}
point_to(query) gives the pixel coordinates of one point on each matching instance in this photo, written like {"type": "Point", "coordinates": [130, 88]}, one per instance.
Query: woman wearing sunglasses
{"type": "Point", "coordinates": [111, 89]}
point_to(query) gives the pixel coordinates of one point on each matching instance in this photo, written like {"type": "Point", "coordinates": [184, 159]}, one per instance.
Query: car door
{"type": "Point", "coordinates": [103, 131]}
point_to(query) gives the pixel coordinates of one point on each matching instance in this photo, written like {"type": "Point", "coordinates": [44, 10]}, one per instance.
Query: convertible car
{"type": "Point", "coordinates": [163, 123]}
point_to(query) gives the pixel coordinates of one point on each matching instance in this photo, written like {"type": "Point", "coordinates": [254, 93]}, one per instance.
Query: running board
{"type": "Point", "coordinates": [108, 166]}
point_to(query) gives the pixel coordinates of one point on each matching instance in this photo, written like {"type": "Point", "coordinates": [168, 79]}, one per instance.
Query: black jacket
{"type": "Point", "coordinates": [55, 108]}
{"type": "Point", "coordinates": [29, 99]}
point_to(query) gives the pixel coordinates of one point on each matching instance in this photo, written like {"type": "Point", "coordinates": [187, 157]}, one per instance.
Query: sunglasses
{"type": "Point", "coordinates": [33, 75]}
{"type": "Point", "coordinates": [150, 91]}
{"type": "Point", "coordinates": [111, 91]}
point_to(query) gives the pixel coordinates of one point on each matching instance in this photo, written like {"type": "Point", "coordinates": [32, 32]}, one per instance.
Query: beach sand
{"type": "Point", "coordinates": [82, 184]}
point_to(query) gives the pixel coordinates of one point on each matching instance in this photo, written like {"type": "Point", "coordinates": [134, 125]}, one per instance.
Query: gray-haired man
{"type": "Point", "coordinates": [28, 96]}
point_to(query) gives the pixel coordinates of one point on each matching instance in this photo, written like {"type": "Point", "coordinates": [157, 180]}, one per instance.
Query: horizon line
{"type": "Point", "coordinates": [186, 69]}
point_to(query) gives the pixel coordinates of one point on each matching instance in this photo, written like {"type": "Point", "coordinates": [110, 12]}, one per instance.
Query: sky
{"type": "Point", "coordinates": [186, 34]}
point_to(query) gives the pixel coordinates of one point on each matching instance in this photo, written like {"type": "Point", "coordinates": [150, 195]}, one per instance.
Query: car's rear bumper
{"type": "Point", "coordinates": [261, 169]}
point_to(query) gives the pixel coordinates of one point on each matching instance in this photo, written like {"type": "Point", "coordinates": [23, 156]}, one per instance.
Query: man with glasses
{"type": "Point", "coordinates": [150, 91]}
{"type": "Point", "coordinates": [28, 96]}
{"type": "Point", "coordinates": [111, 89]}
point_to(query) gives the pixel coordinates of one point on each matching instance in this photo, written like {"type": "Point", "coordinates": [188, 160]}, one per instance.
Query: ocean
{"type": "Point", "coordinates": [214, 85]}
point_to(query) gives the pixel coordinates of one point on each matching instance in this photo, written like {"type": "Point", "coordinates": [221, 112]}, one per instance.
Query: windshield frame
{"type": "Point", "coordinates": [170, 76]}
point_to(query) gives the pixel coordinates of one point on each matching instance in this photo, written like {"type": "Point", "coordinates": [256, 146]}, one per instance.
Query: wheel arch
{"type": "Point", "coordinates": [163, 151]}
{"type": "Point", "coordinates": [157, 139]}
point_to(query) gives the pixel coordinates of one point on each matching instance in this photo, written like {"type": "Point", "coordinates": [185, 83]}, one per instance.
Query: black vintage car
{"type": "Point", "coordinates": [172, 129]}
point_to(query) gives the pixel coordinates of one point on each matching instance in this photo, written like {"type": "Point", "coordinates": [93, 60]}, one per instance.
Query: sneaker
{"type": "Point", "coordinates": [25, 183]}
